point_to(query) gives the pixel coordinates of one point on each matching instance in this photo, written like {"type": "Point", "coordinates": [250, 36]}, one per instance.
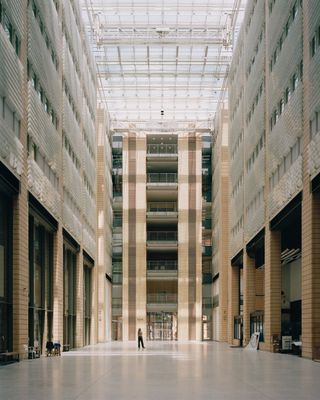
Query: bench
{"type": "Point", "coordinates": [9, 356]}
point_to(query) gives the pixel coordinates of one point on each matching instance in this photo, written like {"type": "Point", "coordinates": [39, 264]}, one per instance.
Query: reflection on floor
{"type": "Point", "coordinates": [164, 370]}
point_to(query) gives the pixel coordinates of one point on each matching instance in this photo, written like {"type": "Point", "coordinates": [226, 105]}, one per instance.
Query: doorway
{"type": "Point", "coordinates": [162, 326]}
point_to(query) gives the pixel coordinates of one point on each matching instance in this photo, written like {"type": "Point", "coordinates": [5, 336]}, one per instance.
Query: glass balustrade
{"type": "Point", "coordinates": [162, 236]}
{"type": "Point", "coordinates": [162, 207]}
{"type": "Point", "coordinates": [162, 265]}
{"type": "Point", "coordinates": [162, 177]}
{"type": "Point", "coordinates": [162, 298]}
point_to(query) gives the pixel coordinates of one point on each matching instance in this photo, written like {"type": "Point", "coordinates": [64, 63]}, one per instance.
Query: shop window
{"type": "Point", "coordinates": [69, 288]}
{"type": "Point", "coordinates": [40, 281]}
{"type": "Point", "coordinates": [5, 273]}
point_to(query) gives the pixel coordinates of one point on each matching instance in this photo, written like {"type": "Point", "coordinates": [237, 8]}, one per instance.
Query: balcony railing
{"type": "Point", "coordinates": [162, 149]}
{"type": "Point", "coordinates": [162, 177]}
{"type": "Point", "coordinates": [165, 265]}
{"type": "Point", "coordinates": [163, 207]}
{"type": "Point", "coordinates": [162, 298]}
{"type": "Point", "coordinates": [162, 236]}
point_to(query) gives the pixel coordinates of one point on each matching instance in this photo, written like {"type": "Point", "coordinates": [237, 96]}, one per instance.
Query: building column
{"type": "Point", "coordinates": [20, 229]}
{"type": "Point", "coordinates": [183, 235]}
{"type": "Point", "coordinates": [58, 285]}
{"type": "Point", "coordinates": [224, 242]}
{"type": "Point", "coordinates": [79, 300]}
{"type": "Point", "coordinates": [20, 278]}
{"type": "Point", "coordinates": [141, 232]}
{"type": "Point", "coordinates": [233, 299]}
{"type": "Point", "coordinates": [310, 273]}
{"type": "Point", "coordinates": [249, 294]}
{"type": "Point", "coordinates": [129, 238]}
{"type": "Point", "coordinates": [310, 265]}
{"type": "Point", "coordinates": [272, 293]}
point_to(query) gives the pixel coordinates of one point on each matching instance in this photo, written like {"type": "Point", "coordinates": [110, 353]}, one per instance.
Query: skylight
{"type": "Point", "coordinates": [162, 63]}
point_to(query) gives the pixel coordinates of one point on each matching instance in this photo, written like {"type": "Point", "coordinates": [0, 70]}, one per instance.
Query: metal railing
{"type": "Point", "coordinates": [162, 177]}
{"type": "Point", "coordinates": [162, 298]}
{"type": "Point", "coordinates": [162, 236]}
{"type": "Point", "coordinates": [163, 207]}
{"type": "Point", "coordinates": [162, 149]}
{"type": "Point", "coordinates": [165, 265]}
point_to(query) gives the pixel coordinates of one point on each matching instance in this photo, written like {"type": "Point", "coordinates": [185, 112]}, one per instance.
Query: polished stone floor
{"type": "Point", "coordinates": [162, 371]}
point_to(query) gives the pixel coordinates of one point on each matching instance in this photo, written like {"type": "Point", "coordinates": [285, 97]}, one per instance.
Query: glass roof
{"type": "Point", "coordinates": [162, 62]}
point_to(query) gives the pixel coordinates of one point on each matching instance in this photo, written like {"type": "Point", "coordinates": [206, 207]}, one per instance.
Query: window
{"type": "Point", "coordinates": [294, 11]}
{"type": "Point", "coordinates": [301, 70]}
{"type": "Point", "coordinates": [294, 82]}
{"type": "Point", "coordinates": [313, 46]}
{"type": "Point", "coordinates": [287, 95]}
{"type": "Point", "coordinates": [281, 106]}
{"type": "Point", "coordinates": [314, 125]}
{"type": "Point", "coordinates": [286, 29]}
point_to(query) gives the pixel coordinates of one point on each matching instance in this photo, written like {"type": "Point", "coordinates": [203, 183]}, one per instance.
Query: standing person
{"type": "Point", "coordinates": [140, 339]}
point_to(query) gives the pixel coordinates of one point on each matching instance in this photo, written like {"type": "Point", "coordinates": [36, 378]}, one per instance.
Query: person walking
{"type": "Point", "coordinates": [140, 339]}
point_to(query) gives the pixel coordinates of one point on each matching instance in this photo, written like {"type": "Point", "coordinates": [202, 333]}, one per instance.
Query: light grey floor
{"type": "Point", "coordinates": [162, 371]}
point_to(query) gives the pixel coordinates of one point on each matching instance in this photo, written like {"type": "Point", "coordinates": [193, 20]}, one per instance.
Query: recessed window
{"type": "Point", "coordinates": [294, 11]}
{"type": "Point", "coordinates": [313, 46]}
{"type": "Point", "coordinates": [294, 82]}
{"type": "Point", "coordinates": [281, 106]}
{"type": "Point", "coordinates": [287, 95]}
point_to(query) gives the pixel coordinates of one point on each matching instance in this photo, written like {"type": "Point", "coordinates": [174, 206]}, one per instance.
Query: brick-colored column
{"type": "Point", "coordinates": [310, 265]}
{"type": "Point", "coordinates": [141, 256]}
{"type": "Point", "coordinates": [310, 275]}
{"type": "Point", "coordinates": [272, 312]}
{"type": "Point", "coordinates": [249, 294]}
{"type": "Point", "coordinates": [224, 242]}
{"type": "Point", "coordinates": [183, 204]}
{"type": "Point", "coordinates": [20, 233]}
{"type": "Point", "coordinates": [79, 300]}
{"type": "Point", "coordinates": [233, 299]}
{"type": "Point", "coordinates": [58, 285]}
{"type": "Point", "coordinates": [20, 269]}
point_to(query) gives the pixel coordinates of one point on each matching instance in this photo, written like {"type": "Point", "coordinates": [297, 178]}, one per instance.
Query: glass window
{"type": "Point", "coordinates": [287, 95]}
{"type": "Point", "coordinates": [294, 11]}
{"type": "Point", "coordinates": [313, 46]}
{"type": "Point", "coordinates": [281, 106]}
{"type": "Point", "coordinates": [294, 82]}
{"type": "Point", "coordinates": [7, 26]}
{"type": "Point", "coordinates": [37, 267]}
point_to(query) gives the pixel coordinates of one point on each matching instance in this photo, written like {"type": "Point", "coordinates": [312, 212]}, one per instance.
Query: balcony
{"type": "Point", "coordinates": [162, 239]}
{"type": "Point", "coordinates": [162, 302]}
{"type": "Point", "coordinates": [163, 265]}
{"type": "Point", "coordinates": [162, 298]}
{"type": "Point", "coordinates": [162, 180]}
{"type": "Point", "coordinates": [162, 152]}
{"type": "Point", "coordinates": [162, 211]}
{"type": "Point", "coordinates": [162, 269]}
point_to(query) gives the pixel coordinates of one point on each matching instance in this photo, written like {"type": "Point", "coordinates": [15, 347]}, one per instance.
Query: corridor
{"type": "Point", "coordinates": [162, 371]}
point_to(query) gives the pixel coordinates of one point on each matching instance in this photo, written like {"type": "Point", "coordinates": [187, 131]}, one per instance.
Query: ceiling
{"type": "Point", "coordinates": [162, 63]}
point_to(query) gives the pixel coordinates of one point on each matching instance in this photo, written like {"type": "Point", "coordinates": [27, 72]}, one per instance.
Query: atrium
{"type": "Point", "coordinates": [160, 171]}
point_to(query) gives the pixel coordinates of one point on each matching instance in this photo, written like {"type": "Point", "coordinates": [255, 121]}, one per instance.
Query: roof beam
{"type": "Point", "coordinates": [142, 40]}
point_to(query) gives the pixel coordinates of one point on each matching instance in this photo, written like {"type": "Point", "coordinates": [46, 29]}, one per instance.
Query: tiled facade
{"type": "Point", "coordinates": [48, 178]}
{"type": "Point", "coordinates": [274, 174]}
